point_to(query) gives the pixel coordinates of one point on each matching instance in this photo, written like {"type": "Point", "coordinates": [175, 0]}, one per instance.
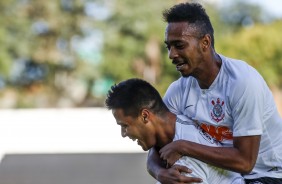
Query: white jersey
{"type": "Point", "coordinates": [186, 129]}
{"type": "Point", "coordinates": [238, 103]}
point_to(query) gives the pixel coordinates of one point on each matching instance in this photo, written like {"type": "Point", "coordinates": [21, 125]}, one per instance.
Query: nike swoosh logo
{"type": "Point", "coordinates": [188, 106]}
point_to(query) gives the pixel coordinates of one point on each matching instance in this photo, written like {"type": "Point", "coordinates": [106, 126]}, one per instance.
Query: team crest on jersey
{"type": "Point", "coordinates": [217, 111]}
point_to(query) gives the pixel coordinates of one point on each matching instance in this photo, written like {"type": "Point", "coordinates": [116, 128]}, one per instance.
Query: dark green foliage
{"type": "Point", "coordinates": [77, 51]}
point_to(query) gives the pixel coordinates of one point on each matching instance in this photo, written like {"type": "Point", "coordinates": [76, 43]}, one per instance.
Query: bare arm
{"type": "Point", "coordinates": [158, 170]}
{"type": "Point", "coordinates": [154, 163]}
{"type": "Point", "coordinates": [240, 158]}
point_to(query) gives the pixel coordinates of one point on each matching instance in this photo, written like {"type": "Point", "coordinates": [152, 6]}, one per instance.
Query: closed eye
{"type": "Point", "coordinates": [179, 46]}
{"type": "Point", "coordinates": [167, 47]}
{"type": "Point", "coordinates": [176, 45]}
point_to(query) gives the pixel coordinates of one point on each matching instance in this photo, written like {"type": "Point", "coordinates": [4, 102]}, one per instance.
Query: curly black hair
{"type": "Point", "coordinates": [194, 14]}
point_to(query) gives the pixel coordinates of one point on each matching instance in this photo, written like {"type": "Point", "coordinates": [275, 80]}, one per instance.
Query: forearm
{"type": "Point", "coordinates": [158, 170]}
{"type": "Point", "coordinates": [226, 158]}
{"type": "Point", "coordinates": [240, 158]}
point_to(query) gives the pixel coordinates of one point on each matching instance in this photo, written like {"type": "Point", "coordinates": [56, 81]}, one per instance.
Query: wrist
{"type": "Point", "coordinates": [159, 174]}
{"type": "Point", "coordinates": [183, 148]}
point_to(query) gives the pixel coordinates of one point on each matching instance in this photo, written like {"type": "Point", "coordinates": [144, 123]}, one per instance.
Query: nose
{"type": "Point", "coordinates": [172, 53]}
{"type": "Point", "coordinates": [123, 132]}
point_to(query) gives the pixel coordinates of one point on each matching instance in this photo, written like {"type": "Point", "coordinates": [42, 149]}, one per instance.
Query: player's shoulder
{"type": "Point", "coordinates": [179, 85]}
{"type": "Point", "coordinates": [239, 73]}
{"type": "Point", "coordinates": [185, 120]}
{"type": "Point", "coordinates": [241, 79]}
{"type": "Point", "coordinates": [236, 68]}
{"type": "Point", "coordinates": [182, 81]}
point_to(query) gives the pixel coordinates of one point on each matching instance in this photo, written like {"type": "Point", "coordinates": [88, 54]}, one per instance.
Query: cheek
{"type": "Point", "coordinates": [196, 56]}
{"type": "Point", "coordinates": [133, 131]}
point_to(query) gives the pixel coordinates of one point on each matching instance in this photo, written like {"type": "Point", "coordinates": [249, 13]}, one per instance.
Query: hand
{"type": "Point", "coordinates": [174, 175]}
{"type": "Point", "coordinates": [171, 153]}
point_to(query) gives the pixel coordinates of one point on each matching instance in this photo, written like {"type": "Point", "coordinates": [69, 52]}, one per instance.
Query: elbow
{"type": "Point", "coordinates": [246, 170]}
{"type": "Point", "coordinates": [246, 167]}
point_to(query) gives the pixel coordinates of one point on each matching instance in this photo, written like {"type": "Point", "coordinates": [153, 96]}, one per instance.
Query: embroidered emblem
{"type": "Point", "coordinates": [217, 113]}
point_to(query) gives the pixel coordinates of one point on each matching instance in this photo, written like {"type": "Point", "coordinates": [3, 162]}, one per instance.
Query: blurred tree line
{"type": "Point", "coordinates": [67, 53]}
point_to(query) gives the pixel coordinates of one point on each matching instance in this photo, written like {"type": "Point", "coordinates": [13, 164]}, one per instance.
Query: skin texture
{"type": "Point", "coordinates": [152, 132]}
{"type": "Point", "coordinates": [194, 56]}
{"type": "Point", "coordinates": [148, 129]}
{"type": "Point", "coordinates": [134, 128]}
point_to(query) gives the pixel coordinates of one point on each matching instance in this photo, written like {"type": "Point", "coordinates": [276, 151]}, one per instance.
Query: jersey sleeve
{"type": "Point", "coordinates": [173, 96]}
{"type": "Point", "coordinates": [248, 105]}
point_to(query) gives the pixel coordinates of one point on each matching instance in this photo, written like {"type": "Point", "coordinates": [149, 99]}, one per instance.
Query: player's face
{"type": "Point", "coordinates": [183, 46]}
{"type": "Point", "coordinates": [135, 129]}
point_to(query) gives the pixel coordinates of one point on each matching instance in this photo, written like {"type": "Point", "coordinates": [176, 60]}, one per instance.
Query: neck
{"type": "Point", "coordinates": [166, 129]}
{"type": "Point", "coordinates": [206, 78]}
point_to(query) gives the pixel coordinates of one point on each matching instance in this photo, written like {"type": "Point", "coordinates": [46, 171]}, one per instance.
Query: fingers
{"type": "Point", "coordinates": [181, 168]}
{"type": "Point", "coordinates": [187, 180]}
{"type": "Point", "coordinates": [177, 174]}
{"type": "Point", "coordinates": [170, 154]}
{"type": "Point", "coordinates": [184, 177]}
{"type": "Point", "coordinates": [169, 161]}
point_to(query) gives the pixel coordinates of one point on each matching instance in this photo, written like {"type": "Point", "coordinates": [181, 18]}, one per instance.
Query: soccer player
{"type": "Point", "coordinates": [142, 115]}
{"type": "Point", "coordinates": [226, 97]}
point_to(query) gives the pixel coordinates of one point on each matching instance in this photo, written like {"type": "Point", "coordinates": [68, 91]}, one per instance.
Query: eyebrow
{"type": "Point", "coordinates": [172, 42]}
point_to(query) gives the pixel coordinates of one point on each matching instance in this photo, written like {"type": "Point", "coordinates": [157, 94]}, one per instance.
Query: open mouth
{"type": "Point", "coordinates": [180, 66]}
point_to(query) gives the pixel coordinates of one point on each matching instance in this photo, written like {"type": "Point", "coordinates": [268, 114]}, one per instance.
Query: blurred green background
{"type": "Point", "coordinates": [67, 53]}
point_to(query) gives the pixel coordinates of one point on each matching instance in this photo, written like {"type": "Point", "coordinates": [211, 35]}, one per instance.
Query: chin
{"type": "Point", "coordinates": [145, 148]}
{"type": "Point", "coordinates": [185, 75]}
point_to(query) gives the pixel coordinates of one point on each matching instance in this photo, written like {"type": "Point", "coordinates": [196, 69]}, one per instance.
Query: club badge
{"type": "Point", "coordinates": [217, 113]}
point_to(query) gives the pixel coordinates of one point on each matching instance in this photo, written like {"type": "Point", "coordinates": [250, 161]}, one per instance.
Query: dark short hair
{"type": "Point", "coordinates": [133, 95]}
{"type": "Point", "coordinates": [192, 13]}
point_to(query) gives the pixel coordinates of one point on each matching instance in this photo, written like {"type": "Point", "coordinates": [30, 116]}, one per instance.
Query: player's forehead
{"type": "Point", "coordinates": [118, 113]}
{"type": "Point", "coordinates": [179, 31]}
{"type": "Point", "coordinates": [121, 118]}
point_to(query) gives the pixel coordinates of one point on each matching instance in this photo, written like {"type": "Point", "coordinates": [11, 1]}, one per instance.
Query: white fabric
{"type": "Point", "coordinates": [186, 129]}
{"type": "Point", "coordinates": [238, 103]}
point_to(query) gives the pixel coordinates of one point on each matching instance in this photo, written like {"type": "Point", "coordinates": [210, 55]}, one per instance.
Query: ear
{"type": "Point", "coordinates": [145, 115]}
{"type": "Point", "coordinates": [206, 42]}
